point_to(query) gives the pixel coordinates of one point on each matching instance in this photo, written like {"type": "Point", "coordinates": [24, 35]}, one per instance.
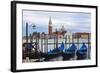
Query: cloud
{"type": "Point", "coordinates": [71, 21]}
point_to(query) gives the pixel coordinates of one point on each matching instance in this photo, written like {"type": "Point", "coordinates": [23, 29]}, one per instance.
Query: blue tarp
{"type": "Point", "coordinates": [29, 46]}
{"type": "Point", "coordinates": [83, 49]}
{"type": "Point", "coordinates": [71, 50]}
{"type": "Point", "coordinates": [61, 48]}
{"type": "Point", "coordinates": [57, 50]}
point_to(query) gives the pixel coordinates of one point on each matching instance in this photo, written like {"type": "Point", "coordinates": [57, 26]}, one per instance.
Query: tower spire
{"type": "Point", "coordinates": [50, 22]}
{"type": "Point", "coordinates": [50, 27]}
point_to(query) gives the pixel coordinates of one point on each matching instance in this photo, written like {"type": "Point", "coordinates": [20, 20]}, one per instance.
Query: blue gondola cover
{"type": "Point", "coordinates": [71, 50]}
{"type": "Point", "coordinates": [57, 50]}
{"type": "Point", "coordinates": [30, 46]}
{"type": "Point", "coordinates": [83, 49]}
{"type": "Point", "coordinates": [61, 48]}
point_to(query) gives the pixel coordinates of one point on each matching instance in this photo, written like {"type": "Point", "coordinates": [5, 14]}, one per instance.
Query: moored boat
{"type": "Point", "coordinates": [55, 52]}
{"type": "Point", "coordinates": [70, 52]}
{"type": "Point", "coordinates": [82, 52]}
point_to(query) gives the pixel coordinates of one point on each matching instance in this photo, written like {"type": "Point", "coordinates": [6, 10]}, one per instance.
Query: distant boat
{"type": "Point", "coordinates": [82, 52]}
{"type": "Point", "coordinates": [70, 52]}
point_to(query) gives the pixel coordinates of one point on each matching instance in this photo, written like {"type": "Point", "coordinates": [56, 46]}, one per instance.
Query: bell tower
{"type": "Point", "coordinates": [50, 27]}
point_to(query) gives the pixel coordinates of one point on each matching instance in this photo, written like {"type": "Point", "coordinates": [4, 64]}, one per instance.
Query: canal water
{"type": "Point", "coordinates": [59, 58]}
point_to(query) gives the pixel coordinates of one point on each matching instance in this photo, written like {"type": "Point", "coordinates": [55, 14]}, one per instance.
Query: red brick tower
{"type": "Point", "coordinates": [50, 27]}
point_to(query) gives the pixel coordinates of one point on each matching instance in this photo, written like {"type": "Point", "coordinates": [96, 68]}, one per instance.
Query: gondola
{"type": "Point", "coordinates": [55, 52]}
{"type": "Point", "coordinates": [70, 52]}
{"type": "Point", "coordinates": [29, 53]}
{"type": "Point", "coordinates": [82, 52]}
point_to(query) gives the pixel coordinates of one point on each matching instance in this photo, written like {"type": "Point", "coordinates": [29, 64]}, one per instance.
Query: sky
{"type": "Point", "coordinates": [72, 21]}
